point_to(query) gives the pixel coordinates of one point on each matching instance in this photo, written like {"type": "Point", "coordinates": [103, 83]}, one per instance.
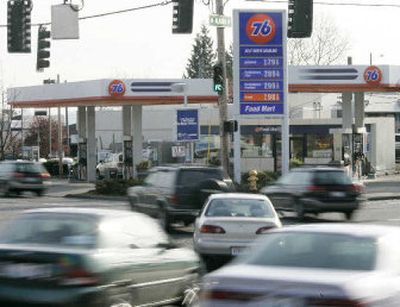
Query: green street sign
{"type": "Point", "coordinates": [220, 21]}
{"type": "Point", "coordinates": [219, 88]}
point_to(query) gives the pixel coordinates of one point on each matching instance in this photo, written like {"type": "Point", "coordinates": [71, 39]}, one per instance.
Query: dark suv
{"type": "Point", "coordinates": [177, 193]}
{"type": "Point", "coordinates": [315, 190]}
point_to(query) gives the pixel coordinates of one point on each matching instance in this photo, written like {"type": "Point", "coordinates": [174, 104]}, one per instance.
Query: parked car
{"type": "Point", "coordinates": [92, 257]}
{"type": "Point", "coordinates": [397, 147]}
{"type": "Point", "coordinates": [19, 176]}
{"type": "Point", "coordinates": [229, 223]}
{"type": "Point", "coordinates": [315, 190]}
{"type": "Point", "coordinates": [177, 193]}
{"type": "Point", "coordinates": [333, 264]}
{"type": "Point", "coordinates": [111, 167]}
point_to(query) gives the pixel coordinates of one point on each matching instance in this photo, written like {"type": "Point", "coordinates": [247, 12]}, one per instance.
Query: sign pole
{"type": "Point", "coordinates": [285, 121]}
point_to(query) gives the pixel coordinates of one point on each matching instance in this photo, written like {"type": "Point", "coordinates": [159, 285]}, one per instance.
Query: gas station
{"type": "Point", "coordinates": [353, 81]}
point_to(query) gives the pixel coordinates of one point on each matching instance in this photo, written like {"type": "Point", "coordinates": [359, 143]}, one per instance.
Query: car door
{"type": "Point", "coordinates": [163, 272]}
{"type": "Point", "coordinates": [279, 193]}
{"type": "Point", "coordinates": [145, 194]}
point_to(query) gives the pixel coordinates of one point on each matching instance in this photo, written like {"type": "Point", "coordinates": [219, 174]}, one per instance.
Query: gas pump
{"type": "Point", "coordinates": [128, 159]}
{"type": "Point", "coordinates": [82, 162]}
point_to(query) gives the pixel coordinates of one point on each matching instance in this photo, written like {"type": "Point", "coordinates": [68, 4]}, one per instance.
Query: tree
{"type": "Point", "coordinates": [41, 124]}
{"type": "Point", "coordinates": [9, 134]}
{"type": "Point", "coordinates": [203, 56]}
{"type": "Point", "coordinates": [325, 47]}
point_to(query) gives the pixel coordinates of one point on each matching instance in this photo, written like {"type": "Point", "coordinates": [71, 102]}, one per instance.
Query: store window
{"type": "Point", "coordinates": [319, 146]}
{"type": "Point", "coordinates": [257, 145]}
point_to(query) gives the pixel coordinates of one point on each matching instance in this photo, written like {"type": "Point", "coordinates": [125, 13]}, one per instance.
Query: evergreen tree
{"type": "Point", "coordinates": [200, 64]}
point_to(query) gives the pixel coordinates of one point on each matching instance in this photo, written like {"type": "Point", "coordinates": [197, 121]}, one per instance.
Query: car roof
{"type": "Point", "coordinates": [84, 211]}
{"type": "Point", "coordinates": [237, 195]}
{"type": "Point", "coordinates": [361, 230]}
{"type": "Point", "coordinates": [317, 168]}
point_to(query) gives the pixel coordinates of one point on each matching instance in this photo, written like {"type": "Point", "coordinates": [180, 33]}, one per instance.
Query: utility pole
{"type": "Point", "coordinates": [60, 145]}
{"type": "Point", "coordinates": [223, 97]}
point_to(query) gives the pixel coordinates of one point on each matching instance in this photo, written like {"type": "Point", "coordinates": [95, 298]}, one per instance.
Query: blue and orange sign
{"type": "Point", "coordinates": [373, 75]}
{"type": "Point", "coordinates": [261, 62]}
{"type": "Point", "coordinates": [116, 88]}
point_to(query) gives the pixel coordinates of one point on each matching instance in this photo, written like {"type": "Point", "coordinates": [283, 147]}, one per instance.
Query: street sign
{"type": "Point", "coordinates": [220, 21]}
{"type": "Point", "coordinates": [187, 125]}
{"type": "Point", "coordinates": [261, 68]}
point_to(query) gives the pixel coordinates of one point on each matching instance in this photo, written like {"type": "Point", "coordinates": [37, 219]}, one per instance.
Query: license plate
{"type": "Point", "coordinates": [237, 250]}
{"type": "Point", "coordinates": [337, 194]}
{"type": "Point", "coordinates": [25, 270]}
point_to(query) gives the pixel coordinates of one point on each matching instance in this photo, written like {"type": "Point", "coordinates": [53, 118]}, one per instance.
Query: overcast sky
{"type": "Point", "coordinates": [139, 44]}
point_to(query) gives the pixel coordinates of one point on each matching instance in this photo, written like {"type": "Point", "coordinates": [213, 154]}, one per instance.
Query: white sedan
{"type": "Point", "coordinates": [313, 265]}
{"type": "Point", "coordinates": [229, 223]}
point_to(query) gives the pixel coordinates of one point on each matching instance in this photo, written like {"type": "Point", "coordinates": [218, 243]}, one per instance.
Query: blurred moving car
{"type": "Point", "coordinates": [19, 176]}
{"type": "Point", "coordinates": [228, 224]}
{"type": "Point", "coordinates": [91, 257]}
{"type": "Point", "coordinates": [315, 190]}
{"type": "Point", "coordinates": [312, 265]}
{"type": "Point", "coordinates": [111, 167]}
{"type": "Point", "coordinates": [176, 193]}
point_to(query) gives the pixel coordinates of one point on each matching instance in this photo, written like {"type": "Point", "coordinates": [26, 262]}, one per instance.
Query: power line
{"type": "Point", "coordinates": [163, 3]}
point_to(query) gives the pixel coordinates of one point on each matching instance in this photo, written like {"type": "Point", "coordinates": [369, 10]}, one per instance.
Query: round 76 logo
{"type": "Point", "coordinates": [116, 88]}
{"type": "Point", "coordinates": [260, 28]}
{"type": "Point", "coordinates": [372, 75]}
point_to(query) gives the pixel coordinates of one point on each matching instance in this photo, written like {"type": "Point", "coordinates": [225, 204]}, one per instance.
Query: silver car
{"type": "Point", "coordinates": [229, 223]}
{"type": "Point", "coordinates": [334, 264]}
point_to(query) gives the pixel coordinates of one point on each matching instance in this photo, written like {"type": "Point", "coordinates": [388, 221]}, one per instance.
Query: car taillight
{"type": "Point", "coordinates": [45, 175]}
{"type": "Point", "coordinates": [336, 302]}
{"type": "Point", "coordinates": [211, 229]}
{"type": "Point", "coordinates": [173, 199]}
{"type": "Point", "coordinates": [73, 274]}
{"type": "Point", "coordinates": [264, 230]}
{"type": "Point", "coordinates": [18, 175]}
{"type": "Point", "coordinates": [357, 188]}
{"type": "Point", "coordinates": [316, 188]}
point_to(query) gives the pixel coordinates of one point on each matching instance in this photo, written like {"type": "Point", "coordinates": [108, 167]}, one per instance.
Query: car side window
{"type": "Point", "coordinates": [151, 179]}
{"type": "Point", "coordinates": [166, 179]}
{"type": "Point", "coordinates": [296, 178]}
{"type": "Point", "coordinates": [144, 232]}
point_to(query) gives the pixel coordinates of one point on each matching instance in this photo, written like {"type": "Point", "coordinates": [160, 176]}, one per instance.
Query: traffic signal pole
{"type": "Point", "coordinates": [223, 97]}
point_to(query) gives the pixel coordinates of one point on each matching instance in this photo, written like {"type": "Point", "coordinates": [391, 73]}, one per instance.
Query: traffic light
{"type": "Point", "coordinates": [19, 26]}
{"type": "Point", "coordinates": [42, 53]}
{"type": "Point", "coordinates": [218, 78]}
{"type": "Point", "coordinates": [182, 18]}
{"type": "Point", "coordinates": [230, 126]}
{"type": "Point", "coordinates": [300, 18]}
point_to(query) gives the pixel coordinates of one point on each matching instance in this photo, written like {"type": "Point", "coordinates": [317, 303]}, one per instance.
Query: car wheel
{"type": "Point", "coordinates": [299, 208]}
{"type": "Point", "coordinates": [164, 220]}
{"type": "Point", "coordinates": [4, 190]}
{"type": "Point", "coordinates": [191, 295]}
{"type": "Point", "coordinates": [349, 215]}
{"type": "Point", "coordinates": [39, 193]}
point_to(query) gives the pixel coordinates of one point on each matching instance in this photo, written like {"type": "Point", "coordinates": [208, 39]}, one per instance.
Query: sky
{"type": "Point", "coordinates": [140, 44]}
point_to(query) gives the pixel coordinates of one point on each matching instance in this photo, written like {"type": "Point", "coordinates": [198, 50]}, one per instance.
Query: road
{"type": "Point", "coordinates": [373, 212]}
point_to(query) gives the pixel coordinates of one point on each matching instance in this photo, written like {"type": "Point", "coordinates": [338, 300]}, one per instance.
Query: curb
{"type": "Point", "coordinates": [383, 197]}
{"type": "Point", "coordinates": [97, 197]}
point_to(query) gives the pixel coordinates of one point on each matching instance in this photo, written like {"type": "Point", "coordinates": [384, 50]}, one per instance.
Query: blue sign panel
{"type": "Point", "coordinates": [187, 125]}
{"type": "Point", "coordinates": [261, 63]}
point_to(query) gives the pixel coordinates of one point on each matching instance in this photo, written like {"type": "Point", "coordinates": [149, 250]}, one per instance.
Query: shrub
{"type": "Point", "coordinates": [52, 167]}
{"type": "Point", "coordinates": [115, 187]}
{"type": "Point", "coordinates": [295, 163]}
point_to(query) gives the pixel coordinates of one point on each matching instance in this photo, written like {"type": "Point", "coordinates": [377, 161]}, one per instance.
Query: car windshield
{"type": "Point", "coordinates": [331, 178]}
{"type": "Point", "coordinates": [239, 208]}
{"type": "Point", "coordinates": [315, 250]}
{"type": "Point", "coordinates": [63, 230]}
